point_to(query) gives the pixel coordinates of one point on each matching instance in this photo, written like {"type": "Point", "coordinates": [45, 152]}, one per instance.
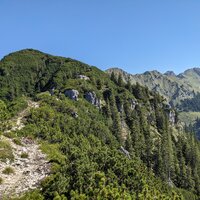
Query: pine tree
{"type": "Point", "coordinates": [166, 151]}
{"type": "Point", "coordinates": [120, 81]}
{"type": "Point", "coordinates": [129, 144]}
{"type": "Point", "coordinates": [149, 147]}
{"type": "Point", "coordinates": [128, 85]}
{"type": "Point", "coordinates": [137, 135]}
{"type": "Point", "coordinates": [116, 119]}
{"type": "Point", "coordinates": [99, 84]}
{"type": "Point", "coordinates": [113, 77]}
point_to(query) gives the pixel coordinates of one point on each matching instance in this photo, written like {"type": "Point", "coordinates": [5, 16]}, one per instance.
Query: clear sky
{"type": "Point", "coordinates": [135, 35]}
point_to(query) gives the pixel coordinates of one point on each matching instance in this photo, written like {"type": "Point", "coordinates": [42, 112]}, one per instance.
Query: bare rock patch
{"type": "Point", "coordinates": [27, 173]}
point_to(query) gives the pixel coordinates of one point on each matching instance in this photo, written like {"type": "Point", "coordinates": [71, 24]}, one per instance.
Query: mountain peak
{"type": "Point", "coordinates": [191, 71]}
{"type": "Point", "coordinates": [28, 50]}
{"type": "Point", "coordinates": [115, 69]}
{"type": "Point", "coordinates": [169, 73]}
{"type": "Point", "coordinates": [25, 52]}
{"type": "Point", "coordinates": [153, 73]}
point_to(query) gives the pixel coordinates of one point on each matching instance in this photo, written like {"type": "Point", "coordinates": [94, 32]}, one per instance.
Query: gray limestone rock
{"type": "Point", "coordinates": [133, 103]}
{"type": "Point", "coordinates": [74, 114]}
{"type": "Point", "coordinates": [172, 116]}
{"type": "Point", "coordinates": [72, 94]}
{"type": "Point", "coordinates": [83, 77]}
{"type": "Point", "coordinates": [92, 98]}
{"type": "Point", "coordinates": [52, 90]}
{"type": "Point", "coordinates": [125, 152]}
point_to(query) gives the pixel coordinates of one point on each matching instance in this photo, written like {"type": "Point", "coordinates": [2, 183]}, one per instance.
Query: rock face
{"type": "Point", "coordinates": [92, 98]}
{"type": "Point", "coordinates": [169, 73]}
{"type": "Point", "coordinates": [72, 94]}
{"type": "Point", "coordinates": [83, 77]}
{"type": "Point", "coordinates": [125, 131]}
{"type": "Point", "coordinates": [172, 116]}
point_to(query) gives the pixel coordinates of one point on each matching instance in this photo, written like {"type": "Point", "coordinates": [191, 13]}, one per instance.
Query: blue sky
{"type": "Point", "coordinates": [135, 35]}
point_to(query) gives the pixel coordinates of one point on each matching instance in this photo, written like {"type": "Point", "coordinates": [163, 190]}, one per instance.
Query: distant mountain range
{"type": "Point", "coordinates": [182, 91]}
{"type": "Point", "coordinates": [174, 88]}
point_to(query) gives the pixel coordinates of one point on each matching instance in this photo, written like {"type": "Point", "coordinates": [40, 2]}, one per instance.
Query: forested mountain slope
{"type": "Point", "coordinates": [104, 139]}
{"type": "Point", "coordinates": [181, 91]}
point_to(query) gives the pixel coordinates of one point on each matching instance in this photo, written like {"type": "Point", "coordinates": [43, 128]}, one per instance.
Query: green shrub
{"type": "Point", "coordinates": [8, 170]}
{"type": "Point", "coordinates": [5, 151]}
{"type": "Point", "coordinates": [17, 105]}
{"type": "Point", "coordinates": [10, 134]}
{"type": "Point", "coordinates": [1, 180]}
{"type": "Point", "coordinates": [24, 155]}
{"type": "Point", "coordinates": [17, 141]}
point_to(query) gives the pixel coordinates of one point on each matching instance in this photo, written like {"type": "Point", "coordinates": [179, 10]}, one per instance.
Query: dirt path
{"type": "Point", "coordinates": [17, 122]}
{"type": "Point", "coordinates": [29, 171]}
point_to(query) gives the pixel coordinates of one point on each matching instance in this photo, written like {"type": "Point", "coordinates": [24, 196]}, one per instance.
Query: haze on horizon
{"type": "Point", "coordinates": [135, 35]}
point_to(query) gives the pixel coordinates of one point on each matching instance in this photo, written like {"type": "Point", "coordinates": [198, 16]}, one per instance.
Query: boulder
{"type": "Point", "coordinates": [172, 116]}
{"type": "Point", "coordinates": [120, 108]}
{"type": "Point", "coordinates": [72, 94]}
{"type": "Point", "coordinates": [92, 98]}
{"type": "Point", "coordinates": [167, 106]}
{"type": "Point", "coordinates": [52, 90]}
{"type": "Point", "coordinates": [83, 77]}
{"type": "Point", "coordinates": [74, 114]}
{"type": "Point", "coordinates": [125, 152]}
{"type": "Point", "coordinates": [133, 103]}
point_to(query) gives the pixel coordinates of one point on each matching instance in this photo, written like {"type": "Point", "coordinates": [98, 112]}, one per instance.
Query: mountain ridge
{"type": "Point", "coordinates": [168, 72]}
{"type": "Point", "coordinates": [174, 88]}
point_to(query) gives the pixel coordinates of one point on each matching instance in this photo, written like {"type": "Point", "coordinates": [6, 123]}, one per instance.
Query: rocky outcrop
{"type": "Point", "coordinates": [125, 131]}
{"type": "Point", "coordinates": [172, 116]}
{"type": "Point", "coordinates": [125, 152]}
{"type": "Point", "coordinates": [72, 94]}
{"type": "Point", "coordinates": [169, 73]}
{"type": "Point", "coordinates": [167, 106]}
{"type": "Point", "coordinates": [92, 98]}
{"type": "Point", "coordinates": [74, 114]}
{"type": "Point", "coordinates": [120, 104]}
{"type": "Point", "coordinates": [133, 104]}
{"type": "Point", "coordinates": [52, 90]}
{"type": "Point", "coordinates": [83, 77]}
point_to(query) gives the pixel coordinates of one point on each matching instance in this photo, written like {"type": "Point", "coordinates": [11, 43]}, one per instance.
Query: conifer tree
{"type": "Point", "coordinates": [113, 77]}
{"type": "Point", "coordinates": [120, 80]}
{"type": "Point", "coordinates": [116, 119]}
{"type": "Point", "coordinates": [137, 135]}
{"type": "Point", "coordinates": [128, 85]}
